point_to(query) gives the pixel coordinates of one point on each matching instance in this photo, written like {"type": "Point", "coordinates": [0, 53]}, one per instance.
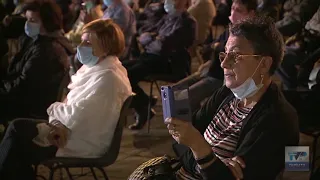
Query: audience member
{"type": "Point", "coordinates": [66, 13]}
{"type": "Point", "coordinates": [173, 34]}
{"type": "Point", "coordinates": [209, 76]}
{"type": "Point", "coordinates": [268, 8]}
{"type": "Point", "coordinates": [229, 134]}
{"type": "Point", "coordinates": [90, 9]}
{"type": "Point", "coordinates": [9, 6]}
{"type": "Point", "coordinates": [299, 48]}
{"type": "Point", "coordinates": [151, 15]}
{"type": "Point", "coordinates": [203, 11]}
{"type": "Point", "coordinates": [83, 125]}
{"type": "Point", "coordinates": [123, 15]}
{"type": "Point", "coordinates": [223, 12]}
{"type": "Point", "coordinates": [297, 13]}
{"type": "Point", "coordinates": [34, 74]}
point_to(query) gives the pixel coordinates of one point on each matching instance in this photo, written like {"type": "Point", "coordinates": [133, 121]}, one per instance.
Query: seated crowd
{"type": "Point", "coordinates": [67, 67]}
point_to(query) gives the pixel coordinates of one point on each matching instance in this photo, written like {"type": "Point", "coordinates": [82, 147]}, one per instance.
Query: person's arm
{"type": "Point", "coordinates": [30, 74]}
{"type": "Point", "coordinates": [102, 100]}
{"type": "Point", "coordinates": [202, 117]}
{"type": "Point", "coordinates": [262, 150]}
{"type": "Point", "coordinates": [182, 36]}
{"type": "Point", "coordinates": [307, 65]}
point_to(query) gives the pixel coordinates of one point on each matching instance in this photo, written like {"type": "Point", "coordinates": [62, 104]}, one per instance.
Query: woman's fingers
{"type": "Point", "coordinates": [237, 169]}
{"type": "Point", "coordinates": [239, 161]}
{"type": "Point", "coordinates": [233, 171]}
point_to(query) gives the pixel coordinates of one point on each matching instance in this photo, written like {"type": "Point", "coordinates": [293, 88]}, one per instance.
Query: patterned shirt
{"type": "Point", "coordinates": [224, 130]}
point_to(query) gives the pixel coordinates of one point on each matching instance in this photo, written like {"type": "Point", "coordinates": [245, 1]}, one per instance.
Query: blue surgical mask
{"type": "Point", "coordinates": [89, 5]}
{"type": "Point", "coordinates": [32, 29]}
{"type": "Point", "coordinates": [85, 56]}
{"type": "Point", "coordinates": [169, 6]}
{"type": "Point", "coordinates": [107, 2]}
{"type": "Point", "coordinates": [248, 88]}
{"type": "Point", "coordinates": [16, 2]}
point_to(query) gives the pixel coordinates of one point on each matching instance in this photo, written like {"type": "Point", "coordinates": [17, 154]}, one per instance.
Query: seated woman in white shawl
{"type": "Point", "coordinates": [85, 122]}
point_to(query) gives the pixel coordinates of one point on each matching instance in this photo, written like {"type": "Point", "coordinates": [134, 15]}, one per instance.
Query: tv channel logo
{"type": "Point", "coordinates": [297, 158]}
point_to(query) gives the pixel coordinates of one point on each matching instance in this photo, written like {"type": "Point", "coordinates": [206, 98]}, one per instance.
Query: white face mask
{"type": "Point", "coordinates": [248, 88]}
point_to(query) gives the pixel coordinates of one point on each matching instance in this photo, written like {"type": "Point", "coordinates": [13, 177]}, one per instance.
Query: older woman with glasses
{"type": "Point", "coordinates": [241, 132]}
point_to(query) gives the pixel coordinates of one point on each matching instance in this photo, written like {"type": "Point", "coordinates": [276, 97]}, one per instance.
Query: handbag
{"type": "Point", "coordinates": [160, 168]}
{"type": "Point", "coordinates": [164, 170]}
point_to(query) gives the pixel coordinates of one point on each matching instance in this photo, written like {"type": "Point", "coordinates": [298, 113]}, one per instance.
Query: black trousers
{"type": "Point", "coordinates": [10, 108]}
{"type": "Point", "coordinates": [138, 70]}
{"type": "Point", "coordinates": [18, 153]}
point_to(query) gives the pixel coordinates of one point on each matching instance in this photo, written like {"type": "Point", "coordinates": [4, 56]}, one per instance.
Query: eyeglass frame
{"type": "Point", "coordinates": [236, 57]}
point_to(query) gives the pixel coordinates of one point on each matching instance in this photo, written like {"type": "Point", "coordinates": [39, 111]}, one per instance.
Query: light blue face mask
{"type": "Point", "coordinates": [32, 29]}
{"type": "Point", "coordinates": [16, 2]}
{"type": "Point", "coordinates": [248, 88]}
{"type": "Point", "coordinates": [85, 56]}
{"type": "Point", "coordinates": [107, 2]}
{"type": "Point", "coordinates": [89, 5]}
{"type": "Point", "coordinates": [169, 6]}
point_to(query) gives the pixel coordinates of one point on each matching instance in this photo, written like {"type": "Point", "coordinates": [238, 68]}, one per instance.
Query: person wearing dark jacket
{"type": "Point", "coordinates": [210, 75]}
{"type": "Point", "coordinates": [172, 35]}
{"type": "Point", "coordinates": [34, 74]}
{"type": "Point", "coordinates": [241, 132]}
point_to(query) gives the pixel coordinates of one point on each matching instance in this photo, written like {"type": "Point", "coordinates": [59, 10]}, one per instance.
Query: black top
{"type": "Point", "coordinates": [271, 125]}
{"type": "Point", "coordinates": [32, 80]}
{"type": "Point", "coordinates": [176, 31]}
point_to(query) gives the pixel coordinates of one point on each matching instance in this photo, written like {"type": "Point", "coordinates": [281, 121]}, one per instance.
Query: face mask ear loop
{"type": "Point", "coordinates": [262, 77]}
{"type": "Point", "coordinates": [257, 69]}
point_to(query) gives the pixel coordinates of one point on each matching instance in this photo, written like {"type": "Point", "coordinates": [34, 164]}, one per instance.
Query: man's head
{"type": "Point", "coordinates": [254, 49]}
{"type": "Point", "coordinates": [172, 6]}
{"type": "Point", "coordinates": [241, 9]}
{"type": "Point", "coordinates": [45, 17]}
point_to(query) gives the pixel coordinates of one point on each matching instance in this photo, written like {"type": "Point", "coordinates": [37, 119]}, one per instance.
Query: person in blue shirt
{"type": "Point", "coordinates": [123, 16]}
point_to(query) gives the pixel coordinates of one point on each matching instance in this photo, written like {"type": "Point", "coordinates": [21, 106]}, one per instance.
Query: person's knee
{"type": "Point", "coordinates": [17, 123]}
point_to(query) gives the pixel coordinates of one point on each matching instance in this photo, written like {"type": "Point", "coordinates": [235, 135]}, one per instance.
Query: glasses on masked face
{"type": "Point", "coordinates": [233, 58]}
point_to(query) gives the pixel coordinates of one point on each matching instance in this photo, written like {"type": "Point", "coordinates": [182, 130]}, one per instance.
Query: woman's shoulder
{"type": "Point", "coordinates": [275, 107]}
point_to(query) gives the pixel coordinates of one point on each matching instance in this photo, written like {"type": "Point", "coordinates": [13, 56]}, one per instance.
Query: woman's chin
{"type": "Point", "coordinates": [231, 84]}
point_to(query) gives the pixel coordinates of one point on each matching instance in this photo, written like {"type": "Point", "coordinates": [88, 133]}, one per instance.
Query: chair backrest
{"type": "Point", "coordinates": [112, 154]}
{"type": "Point", "coordinates": [63, 86]}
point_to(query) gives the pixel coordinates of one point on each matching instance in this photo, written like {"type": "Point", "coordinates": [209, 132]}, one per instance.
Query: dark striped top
{"type": "Point", "coordinates": [224, 130]}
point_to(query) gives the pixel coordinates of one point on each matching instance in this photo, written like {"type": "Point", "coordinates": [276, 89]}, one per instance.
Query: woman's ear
{"type": "Point", "coordinates": [266, 64]}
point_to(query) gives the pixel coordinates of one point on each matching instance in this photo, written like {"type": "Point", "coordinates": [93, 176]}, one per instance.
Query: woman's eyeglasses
{"type": "Point", "coordinates": [233, 57]}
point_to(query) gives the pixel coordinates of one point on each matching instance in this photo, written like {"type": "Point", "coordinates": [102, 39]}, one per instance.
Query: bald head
{"type": "Point", "coordinates": [181, 5]}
